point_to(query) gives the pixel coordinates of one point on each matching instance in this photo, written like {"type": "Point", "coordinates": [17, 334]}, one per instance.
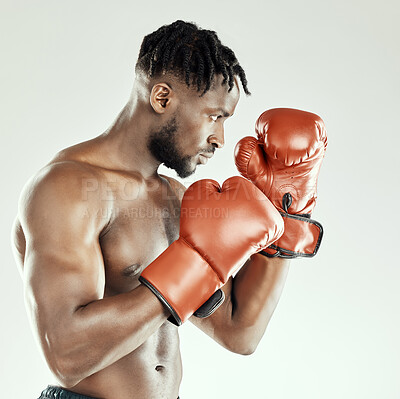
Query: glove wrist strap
{"type": "Point", "coordinates": [302, 238]}
{"type": "Point", "coordinates": [183, 281]}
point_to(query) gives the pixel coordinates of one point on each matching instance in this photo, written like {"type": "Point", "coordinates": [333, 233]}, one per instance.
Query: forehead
{"type": "Point", "coordinates": [218, 97]}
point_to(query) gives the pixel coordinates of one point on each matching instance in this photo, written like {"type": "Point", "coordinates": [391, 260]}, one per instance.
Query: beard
{"type": "Point", "coordinates": [163, 144]}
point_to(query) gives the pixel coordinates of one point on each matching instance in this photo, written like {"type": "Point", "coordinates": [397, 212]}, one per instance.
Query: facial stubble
{"type": "Point", "coordinates": [163, 144]}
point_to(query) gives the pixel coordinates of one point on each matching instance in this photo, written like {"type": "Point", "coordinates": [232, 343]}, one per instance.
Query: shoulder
{"type": "Point", "coordinates": [66, 188]}
{"type": "Point", "coordinates": [176, 186]}
{"type": "Point", "coordinates": [59, 178]}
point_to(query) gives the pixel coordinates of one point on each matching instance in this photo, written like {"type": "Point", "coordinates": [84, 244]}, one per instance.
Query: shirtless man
{"type": "Point", "coordinates": [99, 213]}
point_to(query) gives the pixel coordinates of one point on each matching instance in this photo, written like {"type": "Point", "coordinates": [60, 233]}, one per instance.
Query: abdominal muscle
{"type": "Point", "coordinates": [152, 371]}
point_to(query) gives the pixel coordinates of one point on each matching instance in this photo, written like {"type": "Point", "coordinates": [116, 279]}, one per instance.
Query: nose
{"type": "Point", "coordinates": [217, 138]}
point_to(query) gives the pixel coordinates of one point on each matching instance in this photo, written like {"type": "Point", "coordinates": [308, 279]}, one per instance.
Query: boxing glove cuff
{"type": "Point", "coordinates": [183, 281]}
{"type": "Point", "coordinates": [302, 238]}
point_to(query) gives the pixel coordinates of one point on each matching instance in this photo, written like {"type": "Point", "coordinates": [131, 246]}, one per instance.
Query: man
{"type": "Point", "coordinates": [98, 214]}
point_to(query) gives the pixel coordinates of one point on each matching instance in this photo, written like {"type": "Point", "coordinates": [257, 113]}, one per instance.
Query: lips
{"type": "Point", "coordinates": [203, 159]}
{"type": "Point", "coordinates": [207, 154]}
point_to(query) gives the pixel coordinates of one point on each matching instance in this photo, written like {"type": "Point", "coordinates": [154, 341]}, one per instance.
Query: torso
{"type": "Point", "coordinates": [142, 223]}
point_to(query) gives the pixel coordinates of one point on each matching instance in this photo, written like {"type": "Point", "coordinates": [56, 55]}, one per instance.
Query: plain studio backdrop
{"type": "Point", "coordinates": [67, 70]}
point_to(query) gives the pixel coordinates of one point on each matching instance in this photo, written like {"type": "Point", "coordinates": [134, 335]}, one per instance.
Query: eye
{"type": "Point", "coordinates": [215, 117]}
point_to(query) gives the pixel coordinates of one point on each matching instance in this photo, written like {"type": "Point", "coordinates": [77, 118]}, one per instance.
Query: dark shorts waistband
{"type": "Point", "coordinates": [52, 392]}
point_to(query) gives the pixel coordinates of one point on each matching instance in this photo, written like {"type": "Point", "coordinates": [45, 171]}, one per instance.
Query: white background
{"type": "Point", "coordinates": [67, 70]}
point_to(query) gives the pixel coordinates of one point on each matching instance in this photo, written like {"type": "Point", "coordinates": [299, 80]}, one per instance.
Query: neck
{"type": "Point", "coordinates": [125, 141]}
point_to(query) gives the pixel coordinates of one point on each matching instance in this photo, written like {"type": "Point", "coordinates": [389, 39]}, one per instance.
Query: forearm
{"type": "Point", "coordinates": [101, 332]}
{"type": "Point", "coordinates": [250, 300]}
{"type": "Point", "coordinates": [255, 293]}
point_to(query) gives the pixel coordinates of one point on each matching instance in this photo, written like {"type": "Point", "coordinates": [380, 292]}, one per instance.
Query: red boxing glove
{"type": "Point", "coordinates": [220, 227]}
{"type": "Point", "coordinates": [284, 162]}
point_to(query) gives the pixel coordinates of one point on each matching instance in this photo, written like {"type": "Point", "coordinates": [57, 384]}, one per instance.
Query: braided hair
{"type": "Point", "coordinates": [192, 54]}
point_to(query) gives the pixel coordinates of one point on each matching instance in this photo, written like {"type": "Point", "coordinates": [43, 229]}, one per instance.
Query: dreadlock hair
{"type": "Point", "coordinates": [190, 53]}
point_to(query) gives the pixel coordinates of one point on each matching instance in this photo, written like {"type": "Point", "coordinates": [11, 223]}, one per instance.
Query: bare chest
{"type": "Point", "coordinates": [140, 229]}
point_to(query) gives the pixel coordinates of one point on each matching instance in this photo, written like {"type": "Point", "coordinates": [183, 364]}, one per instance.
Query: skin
{"type": "Point", "coordinates": [92, 219]}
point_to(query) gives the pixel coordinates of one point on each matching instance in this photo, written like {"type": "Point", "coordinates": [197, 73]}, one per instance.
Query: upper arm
{"type": "Point", "coordinates": [18, 244]}
{"type": "Point", "coordinates": [63, 264]}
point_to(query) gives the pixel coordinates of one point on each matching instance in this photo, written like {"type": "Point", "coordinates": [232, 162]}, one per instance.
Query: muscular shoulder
{"type": "Point", "coordinates": [67, 189]}
{"type": "Point", "coordinates": [59, 179]}
{"type": "Point", "coordinates": [178, 187]}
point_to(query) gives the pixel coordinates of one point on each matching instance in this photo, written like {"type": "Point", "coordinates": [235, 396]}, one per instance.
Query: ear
{"type": "Point", "coordinates": [161, 97]}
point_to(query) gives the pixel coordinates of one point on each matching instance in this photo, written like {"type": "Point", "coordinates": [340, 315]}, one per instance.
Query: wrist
{"type": "Point", "coordinates": [181, 279]}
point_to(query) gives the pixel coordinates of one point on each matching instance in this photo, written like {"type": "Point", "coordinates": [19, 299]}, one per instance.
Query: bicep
{"type": "Point", "coordinates": [63, 264]}
{"type": "Point", "coordinates": [18, 244]}
{"type": "Point", "coordinates": [61, 278]}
